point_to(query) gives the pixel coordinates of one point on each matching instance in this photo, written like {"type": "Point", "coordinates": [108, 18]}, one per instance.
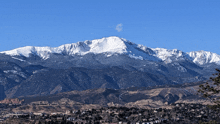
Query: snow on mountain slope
{"type": "Point", "coordinates": [104, 45]}
{"type": "Point", "coordinates": [170, 55]}
{"type": "Point", "coordinates": [204, 57]}
{"type": "Point", "coordinates": [43, 52]}
{"type": "Point", "coordinates": [108, 46]}
{"type": "Point", "coordinates": [115, 45]}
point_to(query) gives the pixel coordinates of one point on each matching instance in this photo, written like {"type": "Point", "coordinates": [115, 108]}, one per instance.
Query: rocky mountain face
{"type": "Point", "coordinates": [110, 62]}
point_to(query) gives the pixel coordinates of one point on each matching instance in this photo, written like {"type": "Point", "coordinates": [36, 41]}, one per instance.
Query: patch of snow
{"type": "Point", "coordinates": [137, 51]}
{"type": "Point", "coordinates": [136, 57]}
{"type": "Point", "coordinates": [15, 72]}
{"type": "Point", "coordinates": [11, 71]}
{"type": "Point", "coordinates": [179, 67]}
{"type": "Point", "coordinates": [17, 68]}
{"type": "Point", "coordinates": [18, 59]}
{"type": "Point", "coordinates": [175, 64]}
{"type": "Point", "coordinates": [108, 55]}
{"type": "Point", "coordinates": [168, 60]}
{"type": "Point", "coordinates": [182, 69]}
{"type": "Point", "coordinates": [22, 74]}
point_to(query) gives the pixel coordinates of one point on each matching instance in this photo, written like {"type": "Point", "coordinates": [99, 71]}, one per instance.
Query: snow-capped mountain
{"type": "Point", "coordinates": [115, 45]}
{"type": "Point", "coordinates": [204, 57]}
{"type": "Point", "coordinates": [110, 62]}
{"type": "Point", "coordinates": [108, 46]}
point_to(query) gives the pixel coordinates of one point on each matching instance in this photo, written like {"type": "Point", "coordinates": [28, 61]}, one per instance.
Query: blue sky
{"type": "Point", "coordinates": [187, 25]}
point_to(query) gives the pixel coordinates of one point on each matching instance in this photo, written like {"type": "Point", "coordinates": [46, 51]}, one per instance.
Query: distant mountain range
{"type": "Point", "coordinates": [110, 62]}
{"type": "Point", "coordinates": [111, 46]}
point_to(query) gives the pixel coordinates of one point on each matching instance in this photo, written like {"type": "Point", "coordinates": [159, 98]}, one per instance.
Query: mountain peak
{"type": "Point", "coordinates": [111, 44]}
{"type": "Point", "coordinates": [114, 45]}
{"type": "Point", "coordinates": [104, 45]}
{"type": "Point", "coordinates": [202, 57]}
{"type": "Point", "coordinates": [108, 44]}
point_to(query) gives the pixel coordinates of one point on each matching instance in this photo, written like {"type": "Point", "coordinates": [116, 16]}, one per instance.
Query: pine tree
{"type": "Point", "coordinates": [210, 91]}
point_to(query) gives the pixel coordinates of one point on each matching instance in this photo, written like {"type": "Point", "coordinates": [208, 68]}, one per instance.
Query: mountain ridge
{"type": "Point", "coordinates": [114, 45]}
{"type": "Point", "coordinates": [110, 62]}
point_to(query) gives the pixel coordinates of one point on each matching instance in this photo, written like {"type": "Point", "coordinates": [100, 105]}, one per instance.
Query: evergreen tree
{"type": "Point", "coordinates": [210, 91]}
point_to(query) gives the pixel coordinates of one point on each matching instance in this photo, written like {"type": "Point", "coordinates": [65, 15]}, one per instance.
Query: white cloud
{"type": "Point", "coordinates": [119, 27]}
